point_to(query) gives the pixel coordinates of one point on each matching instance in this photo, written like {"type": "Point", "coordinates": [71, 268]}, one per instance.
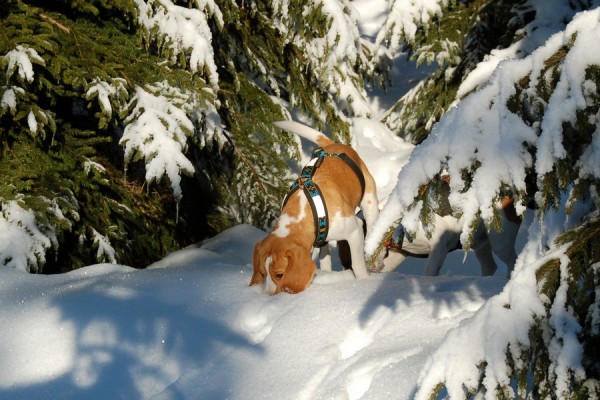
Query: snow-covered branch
{"type": "Point", "coordinates": [20, 69]}
{"type": "Point", "coordinates": [483, 135]}
{"type": "Point", "coordinates": [334, 53]}
{"type": "Point", "coordinates": [20, 61]}
{"type": "Point", "coordinates": [111, 96]}
{"type": "Point", "coordinates": [404, 18]}
{"type": "Point", "coordinates": [158, 127]}
{"type": "Point", "coordinates": [157, 131]}
{"type": "Point", "coordinates": [183, 31]}
{"type": "Point", "coordinates": [105, 251]}
{"type": "Point", "coordinates": [491, 140]}
{"type": "Point", "coordinates": [22, 243]}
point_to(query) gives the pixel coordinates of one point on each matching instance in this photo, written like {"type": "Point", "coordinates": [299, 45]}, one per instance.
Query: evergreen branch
{"type": "Point", "coordinates": [78, 46]}
{"type": "Point", "coordinates": [382, 244]}
{"type": "Point", "coordinates": [245, 161]}
{"type": "Point", "coordinates": [56, 23]}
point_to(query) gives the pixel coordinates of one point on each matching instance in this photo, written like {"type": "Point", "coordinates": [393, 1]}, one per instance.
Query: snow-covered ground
{"type": "Point", "coordinates": [189, 327]}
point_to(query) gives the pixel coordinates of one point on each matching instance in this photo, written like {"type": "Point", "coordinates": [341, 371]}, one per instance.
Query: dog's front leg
{"type": "Point", "coordinates": [356, 241]}
{"type": "Point", "coordinates": [436, 259]}
{"type": "Point", "coordinates": [325, 258]}
{"type": "Point", "coordinates": [441, 244]}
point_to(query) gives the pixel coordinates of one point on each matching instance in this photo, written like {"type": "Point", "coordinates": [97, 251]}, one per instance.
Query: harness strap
{"type": "Point", "coordinates": [319, 210]}
{"type": "Point", "coordinates": [313, 192]}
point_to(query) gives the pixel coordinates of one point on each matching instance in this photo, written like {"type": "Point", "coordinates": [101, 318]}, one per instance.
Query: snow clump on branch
{"type": "Point", "coordinates": [183, 31]}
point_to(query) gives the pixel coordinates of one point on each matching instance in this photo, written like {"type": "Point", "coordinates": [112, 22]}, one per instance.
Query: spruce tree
{"type": "Point", "coordinates": [529, 129]}
{"type": "Point", "coordinates": [131, 128]}
{"type": "Point", "coordinates": [454, 36]}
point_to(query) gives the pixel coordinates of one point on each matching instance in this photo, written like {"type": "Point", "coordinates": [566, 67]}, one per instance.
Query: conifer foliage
{"type": "Point", "coordinates": [523, 120]}
{"type": "Point", "coordinates": [130, 128]}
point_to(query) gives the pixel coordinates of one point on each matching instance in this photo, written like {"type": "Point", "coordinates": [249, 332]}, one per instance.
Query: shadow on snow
{"type": "Point", "coordinates": [131, 344]}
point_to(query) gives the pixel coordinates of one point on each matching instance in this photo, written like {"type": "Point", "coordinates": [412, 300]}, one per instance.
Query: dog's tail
{"type": "Point", "coordinates": [304, 131]}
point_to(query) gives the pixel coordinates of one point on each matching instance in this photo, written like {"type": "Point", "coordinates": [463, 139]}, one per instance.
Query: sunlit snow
{"type": "Point", "coordinates": [190, 327]}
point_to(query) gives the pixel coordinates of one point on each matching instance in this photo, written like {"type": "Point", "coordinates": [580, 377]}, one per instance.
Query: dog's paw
{"type": "Point", "coordinates": [377, 266]}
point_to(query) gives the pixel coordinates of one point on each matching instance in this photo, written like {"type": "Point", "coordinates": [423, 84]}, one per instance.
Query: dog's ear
{"type": "Point", "coordinates": [300, 271]}
{"type": "Point", "coordinates": [258, 275]}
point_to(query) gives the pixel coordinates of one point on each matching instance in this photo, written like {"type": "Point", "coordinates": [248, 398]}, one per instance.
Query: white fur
{"type": "Point", "coordinates": [282, 229]}
{"type": "Point", "coordinates": [301, 130]}
{"type": "Point", "coordinates": [325, 258]}
{"type": "Point", "coordinates": [270, 286]}
{"type": "Point", "coordinates": [350, 229]}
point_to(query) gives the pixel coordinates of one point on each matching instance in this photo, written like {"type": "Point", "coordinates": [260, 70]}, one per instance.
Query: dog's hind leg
{"type": "Point", "coordinates": [369, 203]}
{"type": "Point", "coordinates": [486, 259]}
{"type": "Point", "coordinates": [369, 206]}
{"type": "Point", "coordinates": [483, 251]}
{"type": "Point", "coordinates": [503, 244]}
{"type": "Point", "coordinates": [445, 238]}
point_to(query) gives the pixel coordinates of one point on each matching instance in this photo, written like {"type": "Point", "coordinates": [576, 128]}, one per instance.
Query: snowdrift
{"type": "Point", "coordinates": [189, 327]}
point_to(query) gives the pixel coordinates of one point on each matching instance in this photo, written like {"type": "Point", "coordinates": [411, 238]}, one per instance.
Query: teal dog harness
{"type": "Point", "coordinates": [313, 192]}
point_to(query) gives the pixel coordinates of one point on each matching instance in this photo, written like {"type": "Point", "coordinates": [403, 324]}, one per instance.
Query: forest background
{"type": "Point", "coordinates": [132, 128]}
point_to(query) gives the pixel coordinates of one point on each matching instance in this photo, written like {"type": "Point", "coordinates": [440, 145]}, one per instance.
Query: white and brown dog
{"type": "Point", "coordinates": [446, 238]}
{"type": "Point", "coordinates": [321, 207]}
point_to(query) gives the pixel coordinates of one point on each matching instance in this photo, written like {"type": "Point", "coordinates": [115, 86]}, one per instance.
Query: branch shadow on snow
{"type": "Point", "coordinates": [442, 296]}
{"type": "Point", "coordinates": [132, 344]}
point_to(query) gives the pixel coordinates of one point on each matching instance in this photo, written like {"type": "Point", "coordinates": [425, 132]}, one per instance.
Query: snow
{"type": "Point", "coordinates": [384, 153]}
{"type": "Point", "coordinates": [104, 91]}
{"type": "Point", "coordinates": [105, 250]}
{"type": "Point", "coordinates": [498, 138]}
{"type": "Point", "coordinates": [32, 122]}
{"type": "Point", "coordinates": [190, 327]}
{"type": "Point", "coordinates": [9, 99]}
{"type": "Point", "coordinates": [21, 241]}
{"type": "Point", "coordinates": [21, 60]}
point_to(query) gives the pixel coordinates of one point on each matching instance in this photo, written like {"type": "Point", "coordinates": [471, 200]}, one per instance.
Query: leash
{"type": "Point", "coordinates": [313, 192]}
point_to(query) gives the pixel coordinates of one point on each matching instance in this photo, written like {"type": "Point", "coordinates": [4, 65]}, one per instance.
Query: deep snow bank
{"type": "Point", "coordinates": [189, 327]}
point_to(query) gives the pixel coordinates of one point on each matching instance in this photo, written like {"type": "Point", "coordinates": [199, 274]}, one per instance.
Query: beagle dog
{"type": "Point", "coordinates": [446, 238]}
{"type": "Point", "coordinates": [320, 207]}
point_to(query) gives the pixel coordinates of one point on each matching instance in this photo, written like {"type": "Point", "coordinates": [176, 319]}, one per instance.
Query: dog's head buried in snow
{"type": "Point", "coordinates": [321, 206]}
